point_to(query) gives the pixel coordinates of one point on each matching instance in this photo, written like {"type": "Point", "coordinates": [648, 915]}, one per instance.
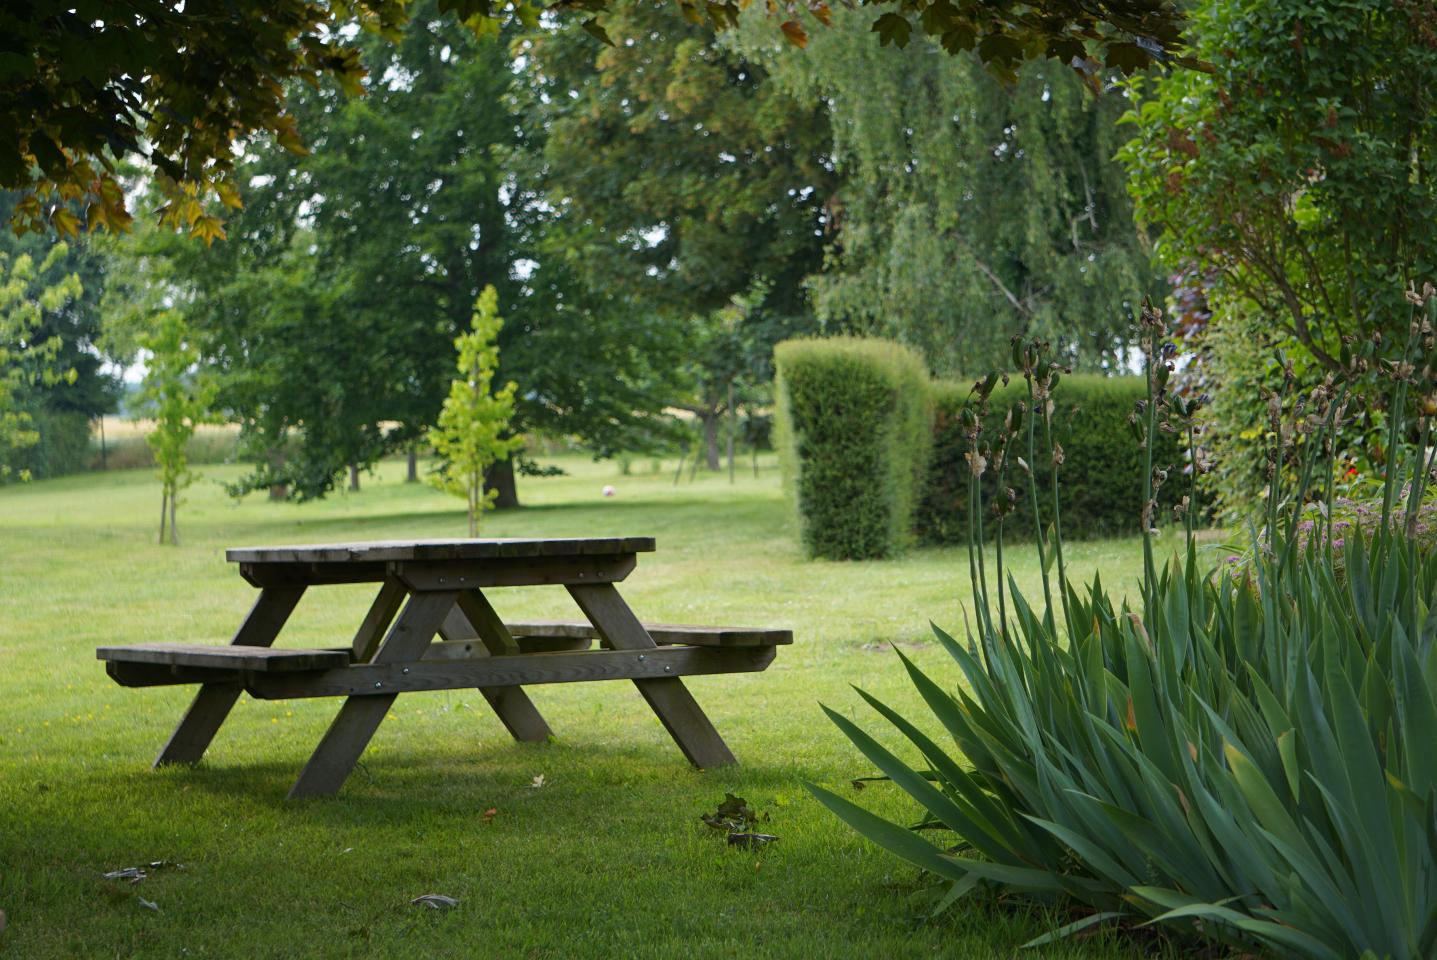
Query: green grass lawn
{"type": "Point", "coordinates": [607, 858]}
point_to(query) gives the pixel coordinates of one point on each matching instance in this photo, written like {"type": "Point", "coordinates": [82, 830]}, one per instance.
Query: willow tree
{"type": "Point", "coordinates": [971, 210]}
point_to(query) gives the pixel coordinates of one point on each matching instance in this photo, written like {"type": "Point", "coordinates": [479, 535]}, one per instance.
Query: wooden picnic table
{"type": "Point", "coordinates": [432, 588]}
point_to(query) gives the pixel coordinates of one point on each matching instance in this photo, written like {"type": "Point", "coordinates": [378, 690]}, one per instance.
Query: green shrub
{"type": "Point", "coordinates": [63, 446]}
{"type": "Point", "coordinates": [853, 425]}
{"type": "Point", "coordinates": [1243, 758]}
{"type": "Point", "coordinates": [1102, 470]}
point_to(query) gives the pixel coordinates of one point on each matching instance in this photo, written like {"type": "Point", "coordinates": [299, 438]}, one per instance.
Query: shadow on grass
{"type": "Point", "coordinates": [422, 786]}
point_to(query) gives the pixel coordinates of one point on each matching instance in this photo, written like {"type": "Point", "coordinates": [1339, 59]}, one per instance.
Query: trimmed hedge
{"type": "Point", "coordinates": [873, 451]}
{"type": "Point", "coordinates": [1101, 479]}
{"type": "Point", "coordinates": [854, 421]}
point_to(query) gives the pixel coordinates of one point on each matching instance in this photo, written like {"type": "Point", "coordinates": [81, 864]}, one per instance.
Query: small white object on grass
{"type": "Point", "coordinates": [608, 490]}
{"type": "Point", "coordinates": [435, 901]}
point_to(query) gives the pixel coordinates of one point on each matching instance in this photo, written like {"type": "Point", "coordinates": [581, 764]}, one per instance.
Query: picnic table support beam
{"type": "Point", "coordinates": [670, 700]}
{"type": "Point", "coordinates": [215, 700]}
{"type": "Point", "coordinates": [512, 705]}
{"type": "Point", "coordinates": [381, 614]}
{"type": "Point", "coordinates": [360, 717]}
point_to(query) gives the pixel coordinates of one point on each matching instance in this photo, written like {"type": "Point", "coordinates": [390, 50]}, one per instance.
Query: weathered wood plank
{"type": "Point", "coordinates": [668, 697]}
{"type": "Point", "coordinates": [662, 633]}
{"type": "Point", "coordinates": [381, 614]}
{"type": "Point", "coordinates": [160, 675]}
{"type": "Point", "coordinates": [518, 572]}
{"type": "Point", "coordinates": [380, 680]}
{"type": "Point", "coordinates": [414, 550]}
{"type": "Point", "coordinates": [456, 627]}
{"type": "Point", "coordinates": [474, 648]}
{"type": "Point", "coordinates": [268, 616]}
{"type": "Point", "coordinates": [213, 702]}
{"type": "Point", "coordinates": [487, 623]}
{"type": "Point", "coordinates": [352, 729]}
{"type": "Point", "coordinates": [510, 703]}
{"type": "Point", "coordinates": [311, 574]}
{"type": "Point", "coordinates": [232, 657]}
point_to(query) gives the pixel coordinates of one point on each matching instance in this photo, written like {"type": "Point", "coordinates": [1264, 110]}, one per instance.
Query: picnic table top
{"type": "Point", "coordinates": [480, 549]}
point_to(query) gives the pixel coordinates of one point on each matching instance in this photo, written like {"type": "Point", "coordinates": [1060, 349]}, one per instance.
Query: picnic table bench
{"type": "Point", "coordinates": [437, 588]}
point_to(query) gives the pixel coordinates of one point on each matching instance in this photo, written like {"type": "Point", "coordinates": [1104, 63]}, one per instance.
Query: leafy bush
{"type": "Point", "coordinates": [63, 445]}
{"type": "Point", "coordinates": [853, 421]}
{"type": "Point", "coordinates": [1102, 471]}
{"type": "Point", "coordinates": [1243, 758]}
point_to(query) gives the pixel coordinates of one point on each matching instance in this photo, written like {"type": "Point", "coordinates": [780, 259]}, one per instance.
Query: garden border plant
{"type": "Point", "coordinates": [1243, 756]}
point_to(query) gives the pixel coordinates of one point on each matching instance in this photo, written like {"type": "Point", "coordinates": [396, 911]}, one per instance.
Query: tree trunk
{"type": "Point", "coordinates": [476, 504]}
{"type": "Point", "coordinates": [164, 512]}
{"type": "Point", "coordinates": [732, 429]}
{"type": "Point", "coordinates": [354, 478]}
{"type": "Point", "coordinates": [277, 491]}
{"type": "Point", "coordinates": [710, 420]}
{"type": "Point", "coordinates": [104, 459]}
{"type": "Point", "coordinates": [500, 479]}
{"type": "Point", "coordinates": [413, 475]}
{"type": "Point", "coordinates": [174, 531]}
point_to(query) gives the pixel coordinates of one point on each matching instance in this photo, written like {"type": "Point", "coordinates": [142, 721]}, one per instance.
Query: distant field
{"type": "Point", "coordinates": [606, 859]}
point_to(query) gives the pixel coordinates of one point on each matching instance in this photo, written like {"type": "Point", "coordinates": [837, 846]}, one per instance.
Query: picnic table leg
{"type": "Point", "coordinates": [360, 716]}
{"type": "Point", "coordinates": [215, 700]}
{"type": "Point", "coordinates": [516, 711]}
{"type": "Point", "coordinates": [667, 696]}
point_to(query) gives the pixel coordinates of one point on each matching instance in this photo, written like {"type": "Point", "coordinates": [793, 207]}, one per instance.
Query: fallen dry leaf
{"type": "Point", "coordinates": [537, 782]}
{"type": "Point", "coordinates": [149, 904]}
{"type": "Point", "coordinates": [490, 814]}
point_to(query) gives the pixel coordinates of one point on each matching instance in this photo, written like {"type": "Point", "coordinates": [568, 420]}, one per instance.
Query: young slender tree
{"type": "Point", "coordinates": [180, 397]}
{"type": "Point", "coordinates": [470, 435]}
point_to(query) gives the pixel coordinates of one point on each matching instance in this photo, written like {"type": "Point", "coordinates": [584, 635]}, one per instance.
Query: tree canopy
{"type": "Point", "coordinates": [330, 312]}
{"type": "Point", "coordinates": [1299, 174]}
{"type": "Point", "coordinates": [968, 211]}
{"type": "Point", "coordinates": [27, 355]}
{"type": "Point", "coordinates": [1292, 192]}
{"type": "Point", "coordinates": [178, 84]}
